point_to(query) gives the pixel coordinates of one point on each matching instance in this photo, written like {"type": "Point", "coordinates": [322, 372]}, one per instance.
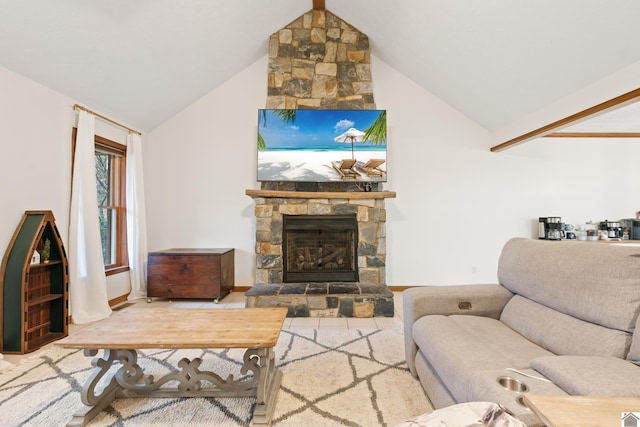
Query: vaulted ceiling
{"type": "Point", "coordinates": [142, 61]}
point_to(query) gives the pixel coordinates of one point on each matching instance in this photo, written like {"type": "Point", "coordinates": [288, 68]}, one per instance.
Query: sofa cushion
{"type": "Point", "coordinates": [591, 376]}
{"type": "Point", "coordinates": [459, 344]}
{"type": "Point", "coordinates": [451, 350]}
{"type": "Point", "coordinates": [563, 334]}
{"type": "Point", "coordinates": [502, 339]}
{"type": "Point", "coordinates": [483, 300]}
{"type": "Point", "coordinates": [598, 283]}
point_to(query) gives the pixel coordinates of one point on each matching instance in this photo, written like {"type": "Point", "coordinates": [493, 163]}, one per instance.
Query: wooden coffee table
{"type": "Point", "coordinates": [584, 411]}
{"type": "Point", "coordinates": [256, 329]}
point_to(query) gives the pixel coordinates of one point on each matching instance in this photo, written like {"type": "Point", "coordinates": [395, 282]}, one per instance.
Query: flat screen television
{"type": "Point", "coordinates": [322, 145]}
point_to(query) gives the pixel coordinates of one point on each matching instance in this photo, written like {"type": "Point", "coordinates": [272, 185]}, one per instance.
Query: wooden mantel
{"type": "Point", "coordinates": [322, 194]}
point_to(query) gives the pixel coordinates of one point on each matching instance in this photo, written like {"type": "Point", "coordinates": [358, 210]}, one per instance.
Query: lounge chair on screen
{"type": "Point", "coordinates": [372, 167]}
{"type": "Point", "coordinates": [346, 168]}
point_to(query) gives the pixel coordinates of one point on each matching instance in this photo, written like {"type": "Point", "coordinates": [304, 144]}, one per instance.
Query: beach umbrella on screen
{"type": "Point", "coordinates": [352, 135]}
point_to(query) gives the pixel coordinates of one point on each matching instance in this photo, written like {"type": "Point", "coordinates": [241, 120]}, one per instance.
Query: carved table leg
{"type": "Point", "coordinates": [269, 377]}
{"type": "Point", "coordinates": [95, 403]}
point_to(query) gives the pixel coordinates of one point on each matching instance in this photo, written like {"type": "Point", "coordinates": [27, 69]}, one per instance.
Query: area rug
{"type": "Point", "coordinates": [331, 377]}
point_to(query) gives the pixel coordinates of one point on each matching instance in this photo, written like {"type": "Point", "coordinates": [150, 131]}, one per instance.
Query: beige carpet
{"type": "Point", "coordinates": [330, 378]}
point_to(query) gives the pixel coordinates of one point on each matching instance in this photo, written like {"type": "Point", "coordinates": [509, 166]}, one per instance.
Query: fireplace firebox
{"type": "Point", "coordinates": [319, 248]}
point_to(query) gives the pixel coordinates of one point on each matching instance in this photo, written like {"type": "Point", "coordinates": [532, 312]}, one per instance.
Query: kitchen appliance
{"type": "Point", "coordinates": [631, 226]}
{"type": "Point", "coordinates": [555, 232]}
{"type": "Point", "coordinates": [554, 228]}
{"type": "Point", "coordinates": [627, 228]}
{"type": "Point", "coordinates": [542, 227]}
{"type": "Point", "coordinates": [613, 229]}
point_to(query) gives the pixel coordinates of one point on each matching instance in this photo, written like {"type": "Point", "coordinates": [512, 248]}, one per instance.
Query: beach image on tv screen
{"type": "Point", "coordinates": [322, 145]}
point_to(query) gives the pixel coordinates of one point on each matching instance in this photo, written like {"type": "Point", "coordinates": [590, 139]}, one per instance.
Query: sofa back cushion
{"type": "Point", "coordinates": [592, 281]}
{"type": "Point", "coordinates": [562, 334]}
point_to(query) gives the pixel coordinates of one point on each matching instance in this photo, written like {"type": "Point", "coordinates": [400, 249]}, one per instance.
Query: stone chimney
{"type": "Point", "coordinates": [319, 62]}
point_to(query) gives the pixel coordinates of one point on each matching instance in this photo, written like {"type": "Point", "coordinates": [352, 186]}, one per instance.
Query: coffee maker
{"type": "Point", "coordinates": [550, 228]}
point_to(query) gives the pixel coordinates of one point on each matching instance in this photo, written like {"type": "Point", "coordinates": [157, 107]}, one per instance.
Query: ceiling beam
{"type": "Point", "coordinates": [593, 135]}
{"type": "Point", "coordinates": [318, 4]}
{"type": "Point", "coordinates": [617, 102]}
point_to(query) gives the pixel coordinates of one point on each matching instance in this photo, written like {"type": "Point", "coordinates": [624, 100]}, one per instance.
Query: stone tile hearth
{"type": "Point", "coordinates": [324, 299]}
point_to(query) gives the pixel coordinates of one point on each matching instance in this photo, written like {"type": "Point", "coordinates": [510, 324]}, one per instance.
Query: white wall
{"type": "Point", "coordinates": [457, 202]}
{"type": "Point", "coordinates": [197, 167]}
{"type": "Point", "coordinates": [35, 134]}
{"type": "Point", "coordinates": [35, 161]}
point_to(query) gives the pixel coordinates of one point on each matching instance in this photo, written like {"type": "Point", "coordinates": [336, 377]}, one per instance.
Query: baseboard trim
{"type": "Point", "coordinates": [118, 300]}
{"type": "Point", "coordinates": [400, 288]}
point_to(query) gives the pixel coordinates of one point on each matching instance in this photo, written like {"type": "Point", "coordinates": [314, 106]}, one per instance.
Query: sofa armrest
{"type": "Point", "coordinates": [476, 300]}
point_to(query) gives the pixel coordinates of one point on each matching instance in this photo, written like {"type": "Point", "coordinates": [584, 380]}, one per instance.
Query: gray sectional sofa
{"type": "Point", "coordinates": [560, 321]}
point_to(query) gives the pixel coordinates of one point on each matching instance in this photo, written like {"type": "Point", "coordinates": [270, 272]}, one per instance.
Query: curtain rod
{"type": "Point", "coordinates": [80, 107]}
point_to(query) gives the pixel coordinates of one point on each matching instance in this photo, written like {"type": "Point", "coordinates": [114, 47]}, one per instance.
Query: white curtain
{"type": "Point", "coordinates": [136, 219]}
{"type": "Point", "coordinates": [87, 282]}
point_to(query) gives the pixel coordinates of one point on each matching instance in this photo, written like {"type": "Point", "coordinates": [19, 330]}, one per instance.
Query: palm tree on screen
{"type": "Point", "coordinates": [286, 116]}
{"type": "Point", "coordinates": [377, 132]}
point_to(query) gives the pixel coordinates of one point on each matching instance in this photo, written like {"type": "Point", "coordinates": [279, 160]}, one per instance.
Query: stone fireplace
{"type": "Point", "coordinates": [355, 292]}
{"type": "Point", "coordinates": [319, 61]}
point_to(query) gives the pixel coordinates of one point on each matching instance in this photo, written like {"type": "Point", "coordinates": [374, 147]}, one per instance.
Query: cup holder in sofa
{"type": "Point", "coordinates": [513, 384]}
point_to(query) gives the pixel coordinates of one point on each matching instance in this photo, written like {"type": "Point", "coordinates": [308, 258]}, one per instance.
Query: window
{"type": "Point", "coordinates": [110, 180]}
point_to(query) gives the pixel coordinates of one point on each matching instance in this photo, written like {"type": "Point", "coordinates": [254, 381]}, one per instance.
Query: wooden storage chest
{"type": "Point", "coordinates": [197, 273]}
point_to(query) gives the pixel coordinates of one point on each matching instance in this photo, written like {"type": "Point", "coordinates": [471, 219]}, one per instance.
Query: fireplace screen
{"type": "Point", "coordinates": [319, 248]}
